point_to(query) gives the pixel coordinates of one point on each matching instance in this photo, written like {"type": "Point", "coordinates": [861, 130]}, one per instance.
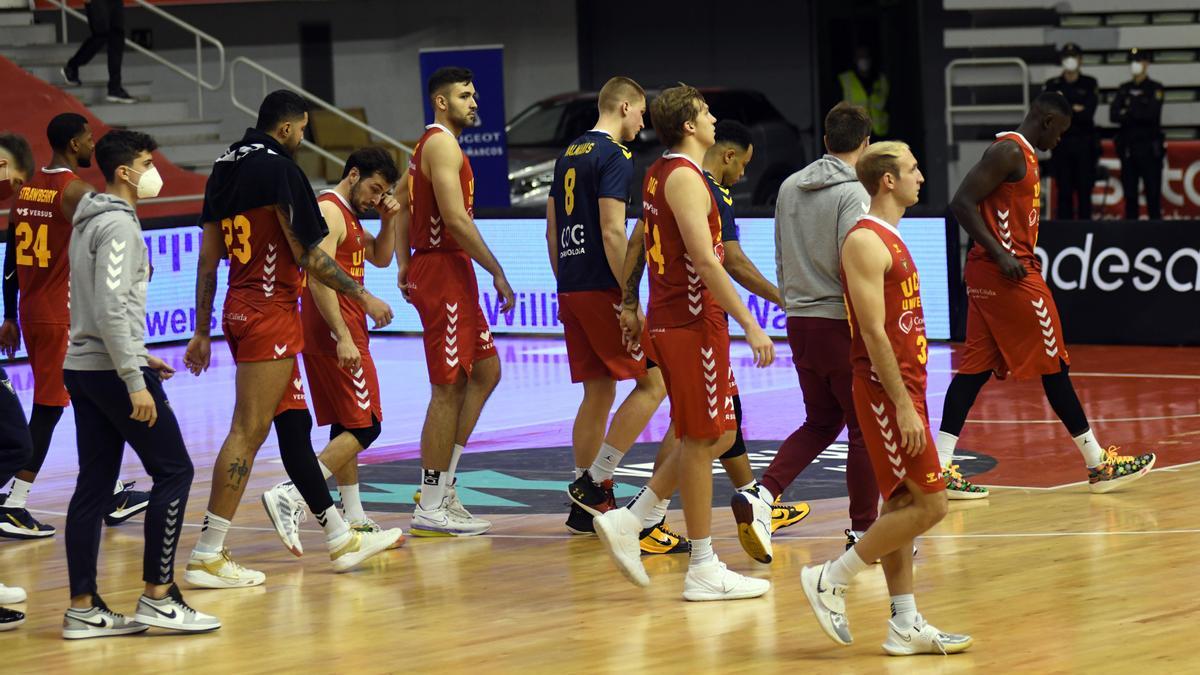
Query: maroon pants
{"type": "Point", "coordinates": [821, 352]}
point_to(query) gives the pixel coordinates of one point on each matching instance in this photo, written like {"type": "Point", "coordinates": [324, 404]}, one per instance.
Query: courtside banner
{"type": "Point", "coordinates": [1122, 282]}
{"type": "Point", "coordinates": [1180, 183]}
{"type": "Point", "coordinates": [486, 144]}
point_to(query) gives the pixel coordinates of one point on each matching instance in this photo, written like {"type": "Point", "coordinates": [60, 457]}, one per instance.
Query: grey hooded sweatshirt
{"type": "Point", "coordinates": [817, 206]}
{"type": "Point", "coordinates": [109, 271]}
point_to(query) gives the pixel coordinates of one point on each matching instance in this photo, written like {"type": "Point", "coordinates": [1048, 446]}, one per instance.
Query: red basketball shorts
{"type": "Point", "coordinates": [892, 463]}
{"type": "Point", "coordinates": [46, 344]}
{"type": "Point", "coordinates": [592, 327]}
{"type": "Point", "coordinates": [443, 290]}
{"type": "Point", "coordinates": [345, 397]}
{"type": "Point", "coordinates": [694, 360]}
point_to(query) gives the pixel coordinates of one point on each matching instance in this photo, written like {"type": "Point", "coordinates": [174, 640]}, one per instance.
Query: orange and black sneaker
{"type": "Point", "coordinates": [660, 540]}
{"type": "Point", "coordinates": [1116, 470]}
{"type": "Point", "coordinates": [595, 498]}
{"type": "Point", "coordinates": [786, 515]}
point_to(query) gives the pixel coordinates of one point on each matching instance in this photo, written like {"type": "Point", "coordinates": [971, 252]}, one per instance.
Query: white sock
{"type": "Point", "coordinates": [325, 472]}
{"type": "Point", "coordinates": [844, 569]}
{"type": "Point", "coordinates": [904, 611]}
{"type": "Point", "coordinates": [643, 505]}
{"type": "Point", "coordinates": [764, 492]}
{"type": "Point", "coordinates": [212, 534]}
{"type": "Point", "coordinates": [945, 448]}
{"type": "Point", "coordinates": [579, 472]}
{"type": "Point", "coordinates": [433, 488]}
{"type": "Point", "coordinates": [701, 552]}
{"type": "Point", "coordinates": [336, 529]}
{"type": "Point", "coordinates": [455, 455]}
{"type": "Point", "coordinates": [1093, 454]}
{"type": "Point", "coordinates": [747, 486]}
{"type": "Point", "coordinates": [660, 513]}
{"type": "Point", "coordinates": [20, 492]}
{"type": "Point", "coordinates": [351, 502]}
{"type": "Point", "coordinates": [606, 463]}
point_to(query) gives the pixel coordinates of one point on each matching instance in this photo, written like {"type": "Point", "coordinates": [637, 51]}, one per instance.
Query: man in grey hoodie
{"type": "Point", "coordinates": [116, 388]}
{"type": "Point", "coordinates": [817, 207]}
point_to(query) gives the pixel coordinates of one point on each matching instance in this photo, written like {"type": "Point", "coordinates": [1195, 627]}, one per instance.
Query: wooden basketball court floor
{"type": "Point", "coordinates": [1048, 577]}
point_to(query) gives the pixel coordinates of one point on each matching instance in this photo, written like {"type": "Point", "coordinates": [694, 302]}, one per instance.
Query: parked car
{"type": "Point", "coordinates": [538, 134]}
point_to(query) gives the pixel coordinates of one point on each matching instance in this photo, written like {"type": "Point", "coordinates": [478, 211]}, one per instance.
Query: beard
{"type": "Point", "coordinates": [84, 162]}
{"type": "Point", "coordinates": [355, 205]}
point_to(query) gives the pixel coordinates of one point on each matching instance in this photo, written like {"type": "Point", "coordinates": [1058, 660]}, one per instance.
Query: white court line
{"type": "Point", "coordinates": [1154, 418]}
{"type": "Point", "coordinates": [1140, 376]}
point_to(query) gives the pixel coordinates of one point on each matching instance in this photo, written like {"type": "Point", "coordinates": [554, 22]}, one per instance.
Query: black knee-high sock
{"type": "Point", "coordinates": [964, 388]}
{"type": "Point", "coordinates": [1061, 395]}
{"type": "Point", "coordinates": [42, 421]}
{"type": "Point", "coordinates": [294, 429]}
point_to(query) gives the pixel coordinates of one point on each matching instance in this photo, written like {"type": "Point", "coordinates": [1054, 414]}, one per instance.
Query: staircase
{"type": "Point", "coordinates": [189, 142]}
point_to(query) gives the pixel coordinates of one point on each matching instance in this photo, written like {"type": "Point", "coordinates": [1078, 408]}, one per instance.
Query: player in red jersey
{"type": "Point", "coordinates": [888, 353]}
{"type": "Point", "coordinates": [689, 295]}
{"type": "Point", "coordinates": [439, 280]}
{"type": "Point", "coordinates": [260, 212]}
{"type": "Point", "coordinates": [1012, 323]}
{"type": "Point", "coordinates": [37, 291]}
{"type": "Point", "coordinates": [337, 357]}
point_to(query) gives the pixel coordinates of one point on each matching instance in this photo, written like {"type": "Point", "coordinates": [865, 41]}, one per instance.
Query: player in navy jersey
{"type": "Point", "coordinates": [585, 234]}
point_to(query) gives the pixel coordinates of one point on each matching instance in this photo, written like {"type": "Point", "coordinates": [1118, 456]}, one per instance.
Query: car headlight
{"type": "Point", "coordinates": [532, 179]}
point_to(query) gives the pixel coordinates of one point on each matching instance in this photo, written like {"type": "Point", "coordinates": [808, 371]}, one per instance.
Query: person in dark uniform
{"type": "Point", "coordinates": [1074, 160]}
{"type": "Point", "coordinates": [1138, 110]}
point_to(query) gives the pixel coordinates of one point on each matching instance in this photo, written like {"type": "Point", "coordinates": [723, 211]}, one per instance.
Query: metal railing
{"type": "Point", "coordinates": [951, 109]}
{"type": "Point", "coordinates": [269, 75]}
{"type": "Point", "coordinates": [200, 37]}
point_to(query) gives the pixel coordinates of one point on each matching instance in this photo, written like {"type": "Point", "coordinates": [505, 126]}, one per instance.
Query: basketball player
{"type": "Point", "coordinates": [1012, 322]}
{"type": "Point", "coordinates": [117, 389]}
{"type": "Point", "coordinates": [259, 211]}
{"type": "Point", "coordinates": [16, 163]}
{"type": "Point", "coordinates": [888, 352]}
{"type": "Point", "coordinates": [585, 218]}
{"type": "Point", "coordinates": [439, 281]}
{"type": "Point", "coordinates": [689, 295]}
{"type": "Point", "coordinates": [37, 264]}
{"type": "Point", "coordinates": [337, 358]}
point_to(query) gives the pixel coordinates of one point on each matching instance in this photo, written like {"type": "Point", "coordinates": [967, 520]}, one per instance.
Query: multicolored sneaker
{"type": "Point", "coordinates": [660, 540]}
{"type": "Point", "coordinates": [367, 525]}
{"type": "Point", "coordinates": [958, 487]}
{"type": "Point", "coordinates": [595, 498]}
{"type": "Point", "coordinates": [1115, 470]}
{"type": "Point", "coordinates": [786, 515]}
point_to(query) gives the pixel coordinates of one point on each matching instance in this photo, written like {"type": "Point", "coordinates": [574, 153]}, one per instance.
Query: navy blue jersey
{"type": "Point", "coordinates": [595, 166]}
{"type": "Point", "coordinates": [729, 228]}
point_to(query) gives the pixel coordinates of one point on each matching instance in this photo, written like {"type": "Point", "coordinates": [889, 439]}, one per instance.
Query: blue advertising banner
{"type": "Point", "coordinates": [486, 143]}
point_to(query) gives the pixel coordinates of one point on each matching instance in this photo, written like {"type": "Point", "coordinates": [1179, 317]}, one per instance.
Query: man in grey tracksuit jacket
{"type": "Point", "coordinates": [118, 398]}
{"type": "Point", "coordinates": [817, 206]}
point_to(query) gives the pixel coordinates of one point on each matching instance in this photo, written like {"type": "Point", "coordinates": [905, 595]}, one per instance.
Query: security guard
{"type": "Point", "coordinates": [1074, 160]}
{"type": "Point", "coordinates": [1138, 109]}
{"type": "Point", "coordinates": [866, 86]}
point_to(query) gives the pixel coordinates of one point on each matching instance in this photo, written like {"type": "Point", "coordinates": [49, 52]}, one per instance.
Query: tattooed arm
{"type": "Point", "coordinates": [635, 264]}
{"type": "Point", "coordinates": [212, 251]}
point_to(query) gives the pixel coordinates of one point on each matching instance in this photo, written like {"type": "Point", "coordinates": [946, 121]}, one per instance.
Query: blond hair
{"type": "Point", "coordinates": [672, 109]}
{"type": "Point", "coordinates": [618, 90]}
{"type": "Point", "coordinates": [877, 160]}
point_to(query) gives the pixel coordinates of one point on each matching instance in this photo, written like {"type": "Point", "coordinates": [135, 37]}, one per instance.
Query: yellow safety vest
{"type": "Point", "coordinates": [854, 93]}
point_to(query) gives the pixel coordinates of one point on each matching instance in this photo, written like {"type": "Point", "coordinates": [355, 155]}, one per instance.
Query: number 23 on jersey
{"type": "Point", "coordinates": [237, 237]}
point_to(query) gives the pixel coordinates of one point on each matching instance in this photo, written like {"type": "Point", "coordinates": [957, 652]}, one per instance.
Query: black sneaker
{"type": "Point", "coordinates": [71, 76]}
{"type": "Point", "coordinates": [19, 523]}
{"type": "Point", "coordinates": [126, 504]}
{"type": "Point", "coordinates": [580, 521]}
{"type": "Point", "coordinates": [119, 95]}
{"type": "Point", "coordinates": [10, 618]}
{"type": "Point", "coordinates": [593, 498]}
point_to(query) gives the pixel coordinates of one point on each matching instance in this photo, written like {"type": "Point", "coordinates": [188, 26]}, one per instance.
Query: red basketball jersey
{"type": "Point", "coordinates": [677, 295]}
{"type": "Point", "coordinates": [262, 270]}
{"type": "Point", "coordinates": [43, 236]}
{"type": "Point", "coordinates": [428, 231]}
{"type": "Point", "coordinates": [351, 257]}
{"type": "Point", "coordinates": [904, 320]}
{"type": "Point", "coordinates": [1013, 210]}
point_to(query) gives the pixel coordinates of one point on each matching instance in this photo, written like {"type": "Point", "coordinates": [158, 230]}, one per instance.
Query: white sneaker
{"type": "Point", "coordinates": [713, 581]}
{"type": "Point", "coordinates": [619, 530]}
{"type": "Point", "coordinates": [360, 547]}
{"type": "Point", "coordinates": [753, 516]}
{"type": "Point", "coordinates": [11, 595]}
{"type": "Point", "coordinates": [455, 505]}
{"type": "Point", "coordinates": [442, 522]}
{"type": "Point", "coordinates": [828, 602]}
{"type": "Point", "coordinates": [368, 525]}
{"type": "Point", "coordinates": [923, 638]}
{"type": "Point", "coordinates": [97, 621]}
{"type": "Point", "coordinates": [218, 570]}
{"type": "Point", "coordinates": [173, 613]}
{"type": "Point", "coordinates": [285, 507]}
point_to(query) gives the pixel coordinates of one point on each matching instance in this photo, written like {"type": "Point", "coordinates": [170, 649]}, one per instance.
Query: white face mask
{"type": "Point", "coordinates": [150, 184]}
{"type": "Point", "coordinates": [1137, 67]}
{"type": "Point", "coordinates": [1070, 63]}
{"type": "Point", "coordinates": [864, 65]}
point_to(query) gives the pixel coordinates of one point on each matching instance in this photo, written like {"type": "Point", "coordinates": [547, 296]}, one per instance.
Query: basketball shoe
{"type": "Point", "coordinates": [595, 498]}
{"type": "Point", "coordinates": [753, 516]}
{"type": "Point", "coordinates": [127, 503]}
{"type": "Point", "coordinates": [173, 613]}
{"type": "Point", "coordinates": [11, 595]}
{"type": "Point", "coordinates": [10, 619]}
{"type": "Point", "coordinates": [923, 638]}
{"type": "Point", "coordinates": [455, 505]}
{"type": "Point", "coordinates": [852, 538]}
{"type": "Point", "coordinates": [361, 546]}
{"type": "Point", "coordinates": [98, 621]}
{"type": "Point", "coordinates": [446, 521]}
{"type": "Point", "coordinates": [368, 525]}
{"type": "Point", "coordinates": [714, 581]}
{"type": "Point", "coordinates": [580, 521]}
{"type": "Point", "coordinates": [658, 539]}
{"type": "Point", "coordinates": [218, 570]}
{"type": "Point", "coordinates": [19, 523]}
{"type": "Point", "coordinates": [1117, 470]}
{"type": "Point", "coordinates": [786, 515]}
{"type": "Point", "coordinates": [828, 602]}
{"type": "Point", "coordinates": [618, 530]}
{"type": "Point", "coordinates": [285, 508]}
{"type": "Point", "coordinates": [958, 487]}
